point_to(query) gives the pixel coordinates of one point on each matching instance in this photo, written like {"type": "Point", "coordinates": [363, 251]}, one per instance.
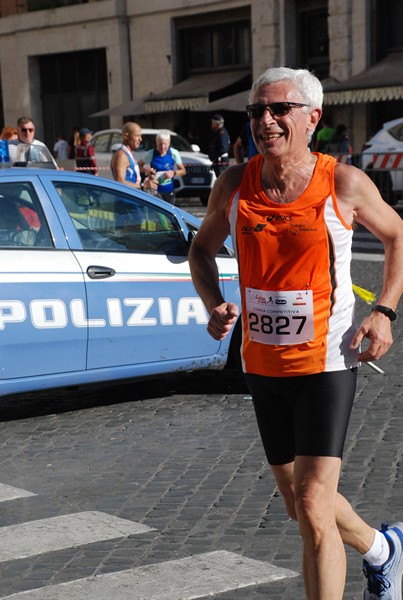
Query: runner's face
{"type": "Point", "coordinates": [162, 146]}
{"type": "Point", "coordinates": [280, 135]}
{"type": "Point", "coordinates": [134, 138]}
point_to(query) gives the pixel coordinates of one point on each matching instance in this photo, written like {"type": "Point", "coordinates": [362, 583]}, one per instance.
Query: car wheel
{"type": "Point", "coordinates": [204, 200]}
{"type": "Point", "coordinates": [383, 182]}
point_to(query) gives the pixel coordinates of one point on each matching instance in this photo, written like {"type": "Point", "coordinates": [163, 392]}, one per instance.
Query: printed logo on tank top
{"type": "Point", "coordinates": [296, 228]}
{"type": "Point", "coordinates": [250, 229]}
{"type": "Point", "coordinates": [279, 218]}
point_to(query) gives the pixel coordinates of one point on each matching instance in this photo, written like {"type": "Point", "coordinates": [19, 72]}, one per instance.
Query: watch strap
{"type": "Point", "coordinates": [385, 310]}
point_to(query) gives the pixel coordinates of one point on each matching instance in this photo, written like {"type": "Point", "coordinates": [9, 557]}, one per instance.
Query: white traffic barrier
{"type": "Point", "coordinates": [388, 161]}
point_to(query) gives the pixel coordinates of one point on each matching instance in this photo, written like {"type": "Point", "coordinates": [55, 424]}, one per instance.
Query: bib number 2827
{"type": "Point", "coordinates": [280, 317]}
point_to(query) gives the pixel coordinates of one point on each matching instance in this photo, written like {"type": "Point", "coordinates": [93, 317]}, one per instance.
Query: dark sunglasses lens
{"type": "Point", "coordinates": [255, 111]}
{"type": "Point", "coordinates": [26, 129]}
{"type": "Point", "coordinates": [279, 109]}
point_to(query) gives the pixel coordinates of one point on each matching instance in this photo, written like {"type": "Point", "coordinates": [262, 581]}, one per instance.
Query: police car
{"type": "Point", "coordinates": [95, 284]}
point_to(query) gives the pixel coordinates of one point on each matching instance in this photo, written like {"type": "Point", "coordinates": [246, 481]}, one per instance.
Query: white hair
{"type": "Point", "coordinates": [306, 82]}
{"type": "Point", "coordinates": [164, 134]}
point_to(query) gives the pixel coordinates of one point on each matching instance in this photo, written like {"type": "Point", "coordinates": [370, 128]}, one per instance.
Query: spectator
{"type": "Point", "coordinates": [244, 144]}
{"type": "Point", "coordinates": [9, 133]}
{"type": "Point", "coordinates": [60, 148]}
{"type": "Point", "coordinates": [324, 136]}
{"type": "Point", "coordinates": [26, 148]}
{"type": "Point", "coordinates": [85, 153]}
{"type": "Point", "coordinates": [166, 163]}
{"type": "Point", "coordinates": [219, 145]}
{"type": "Point", "coordinates": [73, 141]}
{"type": "Point", "coordinates": [340, 143]}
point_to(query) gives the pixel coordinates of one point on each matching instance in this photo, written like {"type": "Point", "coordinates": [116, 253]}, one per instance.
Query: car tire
{"type": "Point", "coordinates": [204, 199]}
{"type": "Point", "coordinates": [383, 182]}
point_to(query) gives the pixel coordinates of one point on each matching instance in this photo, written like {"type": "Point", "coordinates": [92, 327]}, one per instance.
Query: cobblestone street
{"type": "Point", "coordinates": [182, 456]}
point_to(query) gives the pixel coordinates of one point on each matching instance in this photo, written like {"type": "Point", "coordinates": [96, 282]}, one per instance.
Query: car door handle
{"type": "Point", "coordinates": [96, 272]}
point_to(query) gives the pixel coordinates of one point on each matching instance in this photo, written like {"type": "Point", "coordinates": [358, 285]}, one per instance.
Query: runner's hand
{"type": "Point", "coordinates": [376, 328]}
{"type": "Point", "coordinates": [222, 319]}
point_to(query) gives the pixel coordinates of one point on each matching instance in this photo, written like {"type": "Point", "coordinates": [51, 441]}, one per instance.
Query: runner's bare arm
{"type": "Point", "coordinates": [205, 246]}
{"type": "Point", "coordinates": [359, 199]}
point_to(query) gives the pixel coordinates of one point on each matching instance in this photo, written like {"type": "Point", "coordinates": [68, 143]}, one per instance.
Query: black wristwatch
{"type": "Point", "coordinates": [385, 310]}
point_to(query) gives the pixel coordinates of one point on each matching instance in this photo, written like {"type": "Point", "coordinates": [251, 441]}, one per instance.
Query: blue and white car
{"type": "Point", "coordinates": [96, 286]}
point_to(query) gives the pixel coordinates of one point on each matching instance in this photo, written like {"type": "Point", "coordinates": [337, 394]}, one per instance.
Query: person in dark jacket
{"type": "Point", "coordinates": [219, 145]}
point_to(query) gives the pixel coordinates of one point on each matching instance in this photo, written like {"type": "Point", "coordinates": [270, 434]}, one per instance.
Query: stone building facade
{"type": "Point", "coordinates": [163, 62]}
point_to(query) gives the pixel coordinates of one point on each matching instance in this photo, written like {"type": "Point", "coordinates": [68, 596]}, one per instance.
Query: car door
{"type": "Point", "coordinates": [142, 306]}
{"type": "Point", "coordinates": [40, 281]}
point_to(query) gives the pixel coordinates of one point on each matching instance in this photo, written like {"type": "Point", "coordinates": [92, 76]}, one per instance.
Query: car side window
{"type": "Point", "coordinates": [22, 221]}
{"type": "Point", "coordinates": [101, 142]}
{"type": "Point", "coordinates": [224, 251]}
{"type": "Point", "coordinates": [106, 220]}
{"type": "Point", "coordinates": [147, 142]}
{"type": "Point", "coordinates": [116, 138]}
{"type": "Point", "coordinates": [397, 132]}
{"type": "Point", "coordinates": [180, 144]}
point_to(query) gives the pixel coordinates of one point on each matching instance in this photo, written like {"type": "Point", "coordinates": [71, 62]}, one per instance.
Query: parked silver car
{"type": "Point", "coordinates": [199, 178]}
{"type": "Point", "coordinates": [382, 160]}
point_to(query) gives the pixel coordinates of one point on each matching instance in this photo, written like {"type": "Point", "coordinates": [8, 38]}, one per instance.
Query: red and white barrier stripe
{"type": "Point", "coordinates": [388, 161]}
{"type": "Point", "coordinates": [345, 158]}
{"type": "Point", "coordinates": [92, 168]}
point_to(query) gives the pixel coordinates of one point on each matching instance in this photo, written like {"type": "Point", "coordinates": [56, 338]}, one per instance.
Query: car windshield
{"type": "Point", "coordinates": [32, 155]}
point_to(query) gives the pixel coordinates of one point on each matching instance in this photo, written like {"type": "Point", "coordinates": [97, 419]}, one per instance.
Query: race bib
{"type": "Point", "coordinates": [280, 318]}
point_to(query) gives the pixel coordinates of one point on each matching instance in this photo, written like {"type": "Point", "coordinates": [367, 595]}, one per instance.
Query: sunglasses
{"type": "Point", "coordinates": [276, 109]}
{"type": "Point", "coordinates": [27, 129]}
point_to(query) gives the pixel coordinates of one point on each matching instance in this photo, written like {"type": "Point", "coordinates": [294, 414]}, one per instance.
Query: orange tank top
{"type": "Point", "coordinates": [294, 267]}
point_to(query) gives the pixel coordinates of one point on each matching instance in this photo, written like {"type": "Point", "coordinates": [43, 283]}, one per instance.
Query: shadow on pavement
{"type": "Point", "coordinates": [55, 401]}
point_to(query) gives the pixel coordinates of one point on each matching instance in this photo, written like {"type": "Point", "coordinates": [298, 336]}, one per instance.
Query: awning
{"type": "Point", "coordinates": [196, 91]}
{"type": "Point", "coordinates": [382, 81]}
{"type": "Point", "coordinates": [133, 107]}
{"type": "Point", "coordinates": [236, 103]}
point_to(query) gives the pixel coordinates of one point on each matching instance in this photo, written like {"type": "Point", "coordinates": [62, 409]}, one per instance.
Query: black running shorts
{"type": "Point", "coordinates": [303, 416]}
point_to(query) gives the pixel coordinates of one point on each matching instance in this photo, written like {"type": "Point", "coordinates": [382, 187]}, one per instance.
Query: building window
{"type": "Point", "coordinates": [74, 72]}
{"type": "Point", "coordinates": [213, 47]}
{"type": "Point", "coordinates": [73, 86]}
{"type": "Point", "coordinates": [388, 23]}
{"type": "Point", "coordinates": [45, 4]}
{"type": "Point", "coordinates": [314, 41]}
{"type": "Point", "coordinates": [218, 44]}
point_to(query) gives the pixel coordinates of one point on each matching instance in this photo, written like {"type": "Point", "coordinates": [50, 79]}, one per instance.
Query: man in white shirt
{"type": "Point", "coordinates": [60, 148]}
{"type": "Point", "coordinates": [27, 148]}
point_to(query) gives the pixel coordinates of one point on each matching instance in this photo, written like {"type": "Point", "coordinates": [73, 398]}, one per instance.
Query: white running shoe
{"type": "Point", "coordinates": [385, 582]}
